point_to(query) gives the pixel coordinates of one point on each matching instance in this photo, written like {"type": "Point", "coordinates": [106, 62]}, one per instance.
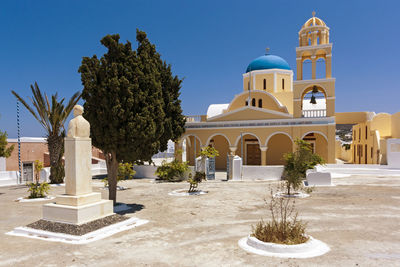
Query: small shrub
{"type": "Point", "coordinates": [194, 182]}
{"type": "Point", "coordinates": [297, 163]}
{"type": "Point", "coordinates": [172, 171]}
{"type": "Point", "coordinates": [38, 190]}
{"type": "Point", "coordinates": [284, 226]}
{"type": "Point", "coordinates": [125, 172]}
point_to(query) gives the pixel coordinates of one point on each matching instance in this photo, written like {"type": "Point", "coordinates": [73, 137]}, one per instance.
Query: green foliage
{"type": "Point", "coordinates": [347, 146]}
{"type": "Point", "coordinates": [38, 167]}
{"type": "Point", "coordinates": [125, 172]}
{"type": "Point", "coordinates": [172, 171]}
{"type": "Point", "coordinates": [194, 181]}
{"type": "Point", "coordinates": [131, 102]}
{"type": "Point", "coordinates": [38, 190]}
{"type": "Point", "coordinates": [4, 150]}
{"type": "Point", "coordinates": [52, 116]}
{"type": "Point", "coordinates": [209, 152]}
{"type": "Point", "coordinates": [297, 163]}
{"type": "Point", "coordinates": [284, 226]}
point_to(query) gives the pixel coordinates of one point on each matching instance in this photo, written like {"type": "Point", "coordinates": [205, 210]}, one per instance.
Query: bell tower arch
{"type": "Point", "coordinates": [314, 46]}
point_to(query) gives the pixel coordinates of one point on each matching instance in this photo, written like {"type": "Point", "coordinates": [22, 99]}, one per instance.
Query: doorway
{"type": "Point", "coordinates": [253, 154]}
{"type": "Point", "coordinates": [27, 172]}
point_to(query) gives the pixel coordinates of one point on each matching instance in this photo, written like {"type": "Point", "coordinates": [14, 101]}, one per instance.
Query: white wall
{"type": "Point", "coordinates": [2, 164]}
{"type": "Point", "coordinates": [262, 172]}
{"type": "Point", "coordinates": [393, 153]}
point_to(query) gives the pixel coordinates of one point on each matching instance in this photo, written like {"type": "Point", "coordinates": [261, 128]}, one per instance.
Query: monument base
{"type": "Point", "coordinates": [77, 214]}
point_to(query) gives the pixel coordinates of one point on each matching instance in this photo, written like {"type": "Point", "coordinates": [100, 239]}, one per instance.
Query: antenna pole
{"type": "Point", "coordinates": [19, 146]}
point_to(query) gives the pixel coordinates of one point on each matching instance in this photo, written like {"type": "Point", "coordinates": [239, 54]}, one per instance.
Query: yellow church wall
{"type": "Point", "coordinates": [267, 101]}
{"type": "Point", "coordinates": [286, 98]}
{"type": "Point", "coordinates": [222, 146]}
{"type": "Point", "coordinates": [324, 148]}
{"type": "Point", "coordinates": [396, 125]}
{"type": "Point", "coordinates": [259, 84]}
{"type": "Point", "coordinates": [278, 145]}
{"type": "Point", "coordinates": [287, 83]}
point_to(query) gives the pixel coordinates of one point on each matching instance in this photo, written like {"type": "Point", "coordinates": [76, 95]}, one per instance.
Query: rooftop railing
{"type": "Point", "coordinates": [314, 113]}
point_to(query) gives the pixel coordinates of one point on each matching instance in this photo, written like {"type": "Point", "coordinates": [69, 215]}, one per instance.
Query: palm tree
{"type": "Point", "coordinates": [52, 117]}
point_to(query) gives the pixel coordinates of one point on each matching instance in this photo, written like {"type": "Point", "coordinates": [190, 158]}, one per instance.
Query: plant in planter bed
{"type": "Point", "coordinates": [284, 226]}
{"type": "Point", "coordinates": [174, 171]}
{"type": "Point", "coordinates": [37, 189]}
{"type": "Point", "coordinates": [297, 163]}
{"type": "Point", "coordinates": [194, 181]}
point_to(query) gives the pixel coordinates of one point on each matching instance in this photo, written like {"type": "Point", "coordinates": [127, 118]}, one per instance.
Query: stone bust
{"type": "Point", "coordinates": [78, 126]}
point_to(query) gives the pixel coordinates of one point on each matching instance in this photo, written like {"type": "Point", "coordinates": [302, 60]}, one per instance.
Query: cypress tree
{"type": "Point", "coordinates": [125, 96]}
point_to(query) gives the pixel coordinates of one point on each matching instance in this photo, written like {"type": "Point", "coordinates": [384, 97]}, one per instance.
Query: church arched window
{"type": "Point", "coordinates": [253, 102]}
{"type": "Point", "coordinates": [265, 84]}
{"type": "Point", "coordinates": [260, 103]}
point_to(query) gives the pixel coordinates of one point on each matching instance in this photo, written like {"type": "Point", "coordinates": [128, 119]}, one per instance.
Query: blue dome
{"type": "Point", "coordinates": [268, 62]}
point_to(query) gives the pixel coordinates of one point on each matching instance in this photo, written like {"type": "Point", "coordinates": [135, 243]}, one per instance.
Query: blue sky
{"type": "Point", "coordinates": [208, 43]}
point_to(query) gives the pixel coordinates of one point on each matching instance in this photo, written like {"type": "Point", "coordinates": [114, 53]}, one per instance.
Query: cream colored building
{"type": "Point", "coordinates": [261, 122]}
{"type": "Point", "coordinates": [369, 145]}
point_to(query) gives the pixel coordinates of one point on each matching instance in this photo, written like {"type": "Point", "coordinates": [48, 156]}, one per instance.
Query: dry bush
{"type": "Point", "coordinates": [284, 226]}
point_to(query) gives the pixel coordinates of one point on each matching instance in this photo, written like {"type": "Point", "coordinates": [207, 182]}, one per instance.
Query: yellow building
{"type": "Point", "coordinates": [369, 145]}
{"type": "Point", "coordinates": [261, 123]}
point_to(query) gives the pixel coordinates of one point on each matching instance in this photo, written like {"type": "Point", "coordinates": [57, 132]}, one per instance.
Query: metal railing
{"type": "Point", "coordinates": [314, 113]}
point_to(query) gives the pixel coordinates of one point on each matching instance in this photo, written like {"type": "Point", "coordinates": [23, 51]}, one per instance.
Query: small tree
{"type": "Point", "coordinates": [37, 189]}
{"type": "Point", "coordinates": [52, 115]}
{"type": "Point", "coordinates": [207, 152]}
{"type": "Point", "coordinates": [38, 168]}
{"type": "Point", "coordinates": [4, 150]}
{"type": "Point", "coordinates": [297, 163]}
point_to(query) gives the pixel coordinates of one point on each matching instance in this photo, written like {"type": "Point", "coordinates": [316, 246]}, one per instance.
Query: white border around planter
{"type": "Point", "coordinates": [73, 239]}
{"type": "Point", "coordinates": [184, 192]}
{"type": "Point", "coordinates": [309, 249]}
{"type": "Point", "coordinates": [57, 185]}
{"type": "Point", "coordinates": [22, 199]}
{"type": "Point", "coordinates": [295, 195]}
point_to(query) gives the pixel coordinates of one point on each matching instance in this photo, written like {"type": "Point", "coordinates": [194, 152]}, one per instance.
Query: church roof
{"type": "Point", "coordinates": [268, 62]}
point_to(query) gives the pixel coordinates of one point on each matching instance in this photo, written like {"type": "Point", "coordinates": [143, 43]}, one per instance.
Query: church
{"type": "Point", "coordinates": [262, 122]}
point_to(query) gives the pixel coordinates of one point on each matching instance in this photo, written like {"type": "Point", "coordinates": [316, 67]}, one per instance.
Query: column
{"type": "Point", "coordinates": [275, 89]}
{"type": "Point", "coordinates": [233, 150]}
{"type": "Point", "coordinates": [328, 66]}
{"type": "Point", "coordinates": [263, 155]}
{"type": "Point", "coordinates": [299, 69]}
{"type": "Point", "coordinates": [313, 67]}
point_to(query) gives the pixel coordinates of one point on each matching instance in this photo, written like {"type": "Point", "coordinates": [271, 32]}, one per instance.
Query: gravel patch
{"type": "Point", "coordinates": [77, 229]}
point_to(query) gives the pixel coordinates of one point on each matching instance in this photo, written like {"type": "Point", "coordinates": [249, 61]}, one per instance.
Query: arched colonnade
{"type": "Point", "coordinates": [255, 149]}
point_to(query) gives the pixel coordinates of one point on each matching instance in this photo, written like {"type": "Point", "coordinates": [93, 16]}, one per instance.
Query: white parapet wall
{"type": "Point", "coordinates": [2, 164]}
{"type": "Point", "coordinates": [262, 172]}
{"type": "Point", "coordinates": [8, 178]}
{"type": "Point", "coordinates": [145, 171]}
{"type": "Point", "coordinates": [393, 153]}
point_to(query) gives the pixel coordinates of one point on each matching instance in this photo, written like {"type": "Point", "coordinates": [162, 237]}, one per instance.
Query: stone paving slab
{"type": "Point", "coordinates": [358, 219]}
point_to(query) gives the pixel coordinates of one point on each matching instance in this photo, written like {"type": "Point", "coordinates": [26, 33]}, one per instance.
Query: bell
{"type": "Point", "coordinates": [315, 89]}
{"type": "Point", "coordinates": [313, 101]}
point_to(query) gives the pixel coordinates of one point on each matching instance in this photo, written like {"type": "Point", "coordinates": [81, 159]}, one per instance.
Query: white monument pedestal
{"type": "Point", "coordinates": [79, 204]}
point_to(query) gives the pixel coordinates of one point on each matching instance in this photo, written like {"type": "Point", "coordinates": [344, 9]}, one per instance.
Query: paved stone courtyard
{"type": "Point", "coordinates": [359, 219]}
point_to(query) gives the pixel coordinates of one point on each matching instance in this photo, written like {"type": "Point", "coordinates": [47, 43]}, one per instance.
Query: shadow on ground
{"type": "Point", "coordinates": [131, 208]}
